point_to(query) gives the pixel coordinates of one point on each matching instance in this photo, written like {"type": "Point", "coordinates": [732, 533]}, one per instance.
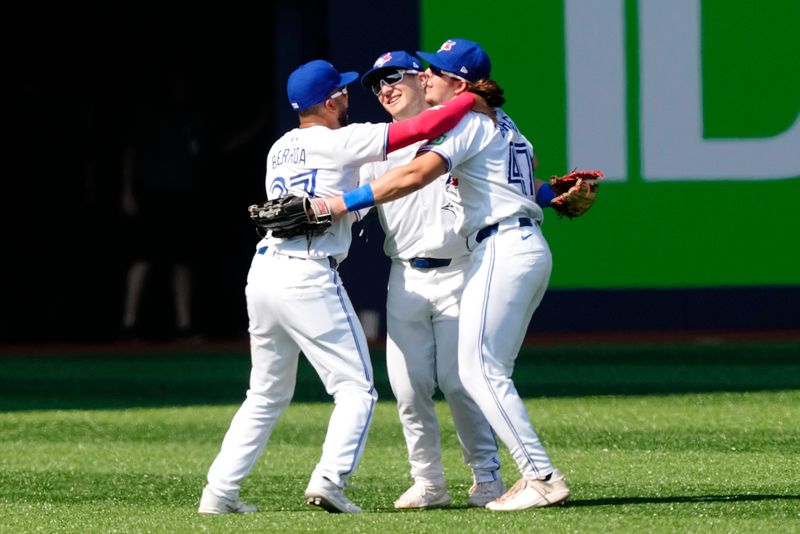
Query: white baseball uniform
{"type": "Point", "coordinates": [422, 324]}
{"type": "Point", "coordinates": [296, 302]}
{"type": "Point", "coordinates": [508, 275]}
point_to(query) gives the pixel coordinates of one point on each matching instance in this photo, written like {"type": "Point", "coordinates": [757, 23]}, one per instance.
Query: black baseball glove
{"type": "Point", "coordinates": [290, 216]}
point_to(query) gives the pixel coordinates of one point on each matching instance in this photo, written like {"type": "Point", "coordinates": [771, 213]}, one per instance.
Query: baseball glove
{"type": "Point", "coordinates": [576, 192]}
{"type": "Point", "coordinates": [290, 216]}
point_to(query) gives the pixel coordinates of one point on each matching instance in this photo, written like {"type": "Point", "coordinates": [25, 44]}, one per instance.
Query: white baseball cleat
{"type": "Point", "coordinates": [423, 496]}
{"type": "Point", "coordinates": [481, 494]}
{"type": "Point", "coordinates": [212, 504]}
{"type": "Point", "coordinates": [532, 493]}
{"type": "Point", "coordinates": [330, 497]}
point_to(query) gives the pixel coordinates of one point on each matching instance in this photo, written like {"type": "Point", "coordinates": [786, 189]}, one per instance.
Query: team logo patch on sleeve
{"type": "Point", "coordinates": [439, 140]}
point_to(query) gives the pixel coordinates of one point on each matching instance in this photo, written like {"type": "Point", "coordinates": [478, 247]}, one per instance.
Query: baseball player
{"type": "Point", "coordinates": [295, 298]}
{"type": "Point", "coordinates": [510, 261]}
{"type": "Point", "coordinates": [429, 261]}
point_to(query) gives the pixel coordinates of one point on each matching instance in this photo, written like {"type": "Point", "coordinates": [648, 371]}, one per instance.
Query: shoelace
{"type": "Point", "coordinates": [518, 486]}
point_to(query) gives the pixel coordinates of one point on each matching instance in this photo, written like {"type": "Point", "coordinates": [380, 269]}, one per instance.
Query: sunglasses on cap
{"type": "Point", "coordinates": [340, 92]}
{"type": "Point", "coordinates": [440, 73]}
{"type": "Point", "coordinates": [391, 78]}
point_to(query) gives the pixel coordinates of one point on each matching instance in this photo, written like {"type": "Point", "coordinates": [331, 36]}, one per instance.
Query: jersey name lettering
{"type": "Point", "coordinates": [294, 155]}
{"type": "Point", "coordinates": [505, 125]}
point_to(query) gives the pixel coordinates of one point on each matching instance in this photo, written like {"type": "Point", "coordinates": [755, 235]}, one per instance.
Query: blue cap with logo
{"type": "Point", "coordinates": [397, 59]}
{"type": "Point", "coordinates": [461, 57]}
{"type": "Point", "coordinates": [313, 82]}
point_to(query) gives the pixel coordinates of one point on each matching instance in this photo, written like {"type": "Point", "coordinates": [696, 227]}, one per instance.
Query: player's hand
{"type": "Point", "coordinates": [337, 207]}
{"type": "Point", "coordinates": [291, 216]}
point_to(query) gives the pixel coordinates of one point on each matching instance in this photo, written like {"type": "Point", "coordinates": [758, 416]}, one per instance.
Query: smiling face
{"type": "Point", "coordinates": [441, 86]}
{"type": "Point", "coordinates": [402, 98]}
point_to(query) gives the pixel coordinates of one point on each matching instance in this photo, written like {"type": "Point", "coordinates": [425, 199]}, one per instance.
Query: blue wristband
{"type": "Point", "coordinates": [545, 195]}
{"type": "Point", "coordinates": [359, 198]}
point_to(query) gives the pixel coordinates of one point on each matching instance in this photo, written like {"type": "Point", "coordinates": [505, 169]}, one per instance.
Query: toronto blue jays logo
{"type": "Point", "coordinates": [383, 59]}
{"type": "Point", "coordinates": [447, 46]}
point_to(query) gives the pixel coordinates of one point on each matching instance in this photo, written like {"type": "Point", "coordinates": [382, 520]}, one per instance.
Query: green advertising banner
{"type": "Point", "coordinates": [690, 107]}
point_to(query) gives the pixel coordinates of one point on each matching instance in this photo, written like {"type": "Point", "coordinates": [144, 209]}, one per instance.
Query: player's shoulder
{"type": "Point", "coordinates": [363, 128]}
{"type": "Point", "coordinates": [478, 124]}
{"type": "Point", "coordinates": [503, 116]}
{"type": "Point", "coordinates": [355, 134]}
{"type": "Point", "coordinates": [505, 123]}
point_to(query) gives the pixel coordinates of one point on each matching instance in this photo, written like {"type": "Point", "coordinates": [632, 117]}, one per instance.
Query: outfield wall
{"type": "Point", "coordinates": [691, 109]}
{"type": "Point", "coordinates": [689, 106]}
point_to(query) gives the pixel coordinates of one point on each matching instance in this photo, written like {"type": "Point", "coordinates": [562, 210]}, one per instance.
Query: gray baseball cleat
{"type": "Point", "coordinates": [212, 504]}
{"type": "Point", "coordinates": [481, 494]}
{"type": "Point", "coordinates": [423, 496]}
{"type": "Point", "coordinates": [330, 497]}
{"type": "Point", "coordinates": [533, 493]}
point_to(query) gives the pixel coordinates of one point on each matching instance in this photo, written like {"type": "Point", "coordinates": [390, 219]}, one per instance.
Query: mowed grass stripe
{"type": "Point", "coordinates": [718, 462]}
{"type": "Point", "coordinates": [119, 379]}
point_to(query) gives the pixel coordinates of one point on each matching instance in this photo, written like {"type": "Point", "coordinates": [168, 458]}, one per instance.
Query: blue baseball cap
{"type": "Point", "coordinates": [461, 57]}
{"type": "Point", "coordinates": [313, 82]}
{"type": "Point", "coordinates": [397, 59]}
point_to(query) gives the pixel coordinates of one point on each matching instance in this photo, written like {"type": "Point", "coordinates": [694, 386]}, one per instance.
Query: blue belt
{"type": "Point", "coordinates": [428, 263]}
{"type": "Point", "coordinates": [490, 230]}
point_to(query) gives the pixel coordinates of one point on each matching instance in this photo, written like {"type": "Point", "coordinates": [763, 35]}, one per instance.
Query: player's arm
{"type": "Point", "coordinates": [544, 193]}
{"type": "Point", "coordinates": [366, 174]}
{"type": "Point", "coordinates": [404, 180]}
{"type": "Point", "coordinates": [396, 183]}
{"type": "Point", "coordinates": [429, 124]}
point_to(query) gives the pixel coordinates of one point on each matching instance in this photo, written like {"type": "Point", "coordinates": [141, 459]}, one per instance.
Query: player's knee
{"type": "Point", "coordinates": [452, 386]}
{"type": "Point", "coordinates": [413, 386]}
{"type": "Point", "coordinates": [272, 400]}
{"type": "Point", "coordinates": [365, 393]}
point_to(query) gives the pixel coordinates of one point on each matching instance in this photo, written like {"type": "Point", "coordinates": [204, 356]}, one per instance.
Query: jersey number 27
{"type": "Point", "coordinates": [307, 181]}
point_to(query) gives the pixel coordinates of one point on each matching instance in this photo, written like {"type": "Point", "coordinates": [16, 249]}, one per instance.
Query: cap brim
{"type": "Point", "coordinates": [348, 78]}
{"type": "Point", "coordinates": [431, 58]}
{"type": "Point", "coordinates": [375, 73]}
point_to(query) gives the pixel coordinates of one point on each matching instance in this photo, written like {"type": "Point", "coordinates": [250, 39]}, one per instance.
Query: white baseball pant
{"type": "Point", "coordinates": [298, 305]}
{"type": "Point", "coordinates": [505, 284]}
{"type": "Point", "coordinates": [421, 351]}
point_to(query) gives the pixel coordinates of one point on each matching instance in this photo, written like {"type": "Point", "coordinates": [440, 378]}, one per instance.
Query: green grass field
{"type": "Point", "coordinates": [714, 448]}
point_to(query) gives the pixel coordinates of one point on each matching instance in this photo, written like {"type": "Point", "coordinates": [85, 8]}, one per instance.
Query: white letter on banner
{"type": "Point", "coordinates": [596, 111]}
{"type": "Point", "coordinates": [671, 116]}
